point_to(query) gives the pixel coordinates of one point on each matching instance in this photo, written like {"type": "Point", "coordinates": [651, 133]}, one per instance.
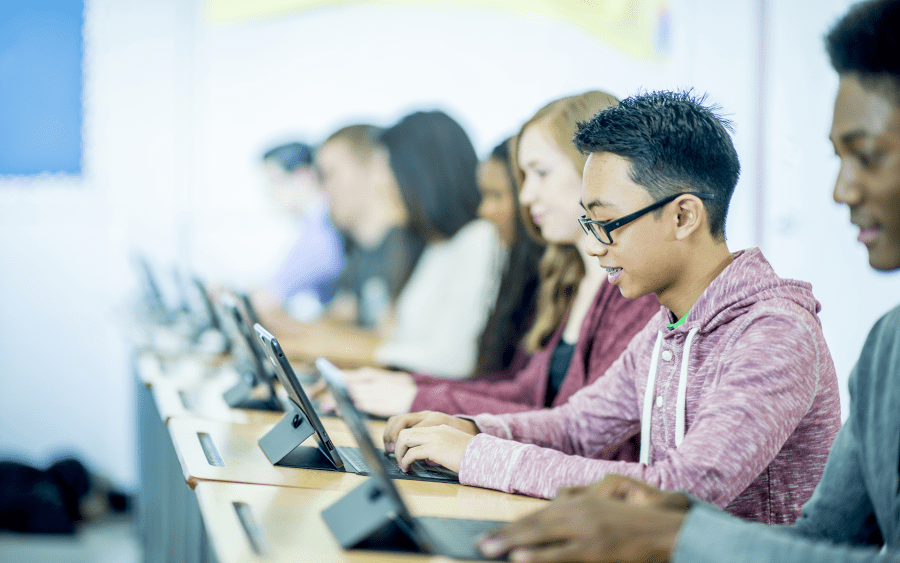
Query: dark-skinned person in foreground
{"type": "Point", "coordinates": [854, 513]}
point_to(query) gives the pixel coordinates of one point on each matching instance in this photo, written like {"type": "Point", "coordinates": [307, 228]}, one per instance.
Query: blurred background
{"type": "Point", "coordinates": [181, 97]}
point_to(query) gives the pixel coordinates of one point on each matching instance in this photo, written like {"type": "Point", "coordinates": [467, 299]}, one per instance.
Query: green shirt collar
{"type": "Point", "coordinates": [677, 323]}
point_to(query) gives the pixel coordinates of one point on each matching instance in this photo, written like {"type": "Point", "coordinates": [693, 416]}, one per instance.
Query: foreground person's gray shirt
{"type": "Point", "coordinates": [856, 504]}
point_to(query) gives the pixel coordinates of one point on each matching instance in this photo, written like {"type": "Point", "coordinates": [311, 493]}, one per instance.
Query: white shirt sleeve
{"type": "Point", "coordinates": [444, 306]}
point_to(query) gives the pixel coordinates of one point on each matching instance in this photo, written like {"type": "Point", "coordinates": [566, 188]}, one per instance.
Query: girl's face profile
{"type": "Point", "coordinates": [497, 204]}
{"type": "Point", "coordinates": [551, 191]}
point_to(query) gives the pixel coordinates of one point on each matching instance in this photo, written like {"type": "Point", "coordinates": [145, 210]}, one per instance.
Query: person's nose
{"type": "Point", "coordinates": [846, 187]}
{"type": "Point", "coordinates": [594, 247]}
{"type": "Point", "coordinates": [528, 193]}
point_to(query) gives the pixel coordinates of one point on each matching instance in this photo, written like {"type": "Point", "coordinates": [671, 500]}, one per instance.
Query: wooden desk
{"type": "Point", "coordinates": [191, 388]}
{"type": "Point", "coordinates": [199, 443]}
{"type": "Point", "coordinates": [184, 370]}
{"type": "Point", "coordinates": [204, 401]}
{"type": "Point", "coordinates": [342, 351]}
{"type": "Point", "coordinates": [173, 343]}
{"type": "Point", "coordinates": [242, 461]}
{"type": "Point", "coordinates": [289, 525]}
{"type": "Point", "coordinates": [285, 502]}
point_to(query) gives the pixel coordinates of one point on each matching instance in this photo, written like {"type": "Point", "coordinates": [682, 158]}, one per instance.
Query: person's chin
{"type": "Point", "coordinates": [628, 291]}
{"type": "Point", "coordinates": [884, 260]}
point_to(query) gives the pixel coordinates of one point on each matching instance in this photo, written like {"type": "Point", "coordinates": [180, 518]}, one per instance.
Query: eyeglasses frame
{"type": "Point", "coordinates": [609, 226]}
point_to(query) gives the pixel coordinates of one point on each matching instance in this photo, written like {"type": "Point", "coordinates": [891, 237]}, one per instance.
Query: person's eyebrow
{"type": "Point", "coordinates": [594, 203]}
{"type": "Point", "coordinates": [849, 137]}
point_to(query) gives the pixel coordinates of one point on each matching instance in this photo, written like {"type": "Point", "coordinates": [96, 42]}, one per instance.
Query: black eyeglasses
{"type": "Point", "coordinates": [602, 229]}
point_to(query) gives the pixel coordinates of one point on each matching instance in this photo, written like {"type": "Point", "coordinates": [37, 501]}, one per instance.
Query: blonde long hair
{"type": "Point", "coordinates": [561, 267]}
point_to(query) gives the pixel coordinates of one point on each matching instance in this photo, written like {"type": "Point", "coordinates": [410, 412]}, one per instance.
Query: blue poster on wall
{"type": "Point", "coordinates": [41, 82]}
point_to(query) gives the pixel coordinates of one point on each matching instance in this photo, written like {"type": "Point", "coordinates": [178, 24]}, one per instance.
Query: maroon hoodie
{"type": "Point", "coordinates": [742, 412]}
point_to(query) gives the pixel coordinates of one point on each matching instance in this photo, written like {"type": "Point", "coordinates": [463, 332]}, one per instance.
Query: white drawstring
{"type": "Point", "coordinates": [650, 392]}
{"type": "Point", "coordinates": [648, 402]}
{"type": "Point", "coordinates": [682, 388]}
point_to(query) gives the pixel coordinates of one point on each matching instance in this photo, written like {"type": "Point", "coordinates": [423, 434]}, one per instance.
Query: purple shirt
{"type": "Point", "coordinates": [316, 259]}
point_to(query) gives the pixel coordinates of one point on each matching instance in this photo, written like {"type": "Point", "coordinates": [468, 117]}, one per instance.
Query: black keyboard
{"type": "Point", "coordinates": [417, 469]}
{"type": "Point", "coordinates": [455, 537]}
{"type": "Point", "coordinates": [458, 530]}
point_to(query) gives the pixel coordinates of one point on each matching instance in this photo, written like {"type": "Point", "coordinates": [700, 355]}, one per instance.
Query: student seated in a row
{"type": "Point", "coordinates": [724, 410]}
{"type": "Point", "coordinates": [306, 279]}
{"type": "Point", "coordinates": [444, 306]}
{"type": "Point", "coordinates": [382, 248]}
{"type": "Point", "coordinates": [583, 323]}
{"type": "Point", "coordinates": [854, 513]}
{"type": "Point", "coordinates": [424, 167]}
{"type": "Point", "coordinates": [512, 314]}
{"type": "Point", "coordinates": [378, 251]}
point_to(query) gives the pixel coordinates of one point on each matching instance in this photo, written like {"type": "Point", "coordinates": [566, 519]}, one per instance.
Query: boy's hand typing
{"type": "Point", "coordinates": [430, 436]}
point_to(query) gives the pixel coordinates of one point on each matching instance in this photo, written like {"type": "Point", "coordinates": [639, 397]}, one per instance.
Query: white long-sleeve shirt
{"type": "Point", "coordinates": [444, 306]}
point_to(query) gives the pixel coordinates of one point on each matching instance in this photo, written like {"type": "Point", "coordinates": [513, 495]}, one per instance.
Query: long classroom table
{"type": "Point", "coordinates": [210, 494]}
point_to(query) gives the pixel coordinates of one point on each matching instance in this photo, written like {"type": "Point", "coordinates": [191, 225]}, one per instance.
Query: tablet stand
{"type": "Point", "coordinates": [241, 391]}
{"type": "Point", "coordinates": [241, 395]}
{"type": "Point", "coordinates": [291, 431]}
{"type": "Point", "coordinates": [366, 518]}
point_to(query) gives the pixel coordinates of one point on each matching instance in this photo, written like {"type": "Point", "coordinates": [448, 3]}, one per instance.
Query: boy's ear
{"type": "Point", "coordinates": [690, 216]}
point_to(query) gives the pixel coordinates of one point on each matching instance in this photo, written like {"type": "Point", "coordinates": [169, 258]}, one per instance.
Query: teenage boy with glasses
{"type": "Point", "coordinates": [854, 514]}
{"type": "Point", "coordinates": [731, 385]}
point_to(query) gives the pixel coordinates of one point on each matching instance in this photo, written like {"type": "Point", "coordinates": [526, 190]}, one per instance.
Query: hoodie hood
{"type": "Point", "coordinates": [747, 281]}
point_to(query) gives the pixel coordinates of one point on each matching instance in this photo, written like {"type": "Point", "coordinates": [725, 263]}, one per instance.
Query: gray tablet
{"type": "Point", "coordinates": [374, 516]}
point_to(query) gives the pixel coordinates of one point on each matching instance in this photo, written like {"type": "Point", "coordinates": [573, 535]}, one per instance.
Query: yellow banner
{"type": "Point", "coordinates": [640, 28]}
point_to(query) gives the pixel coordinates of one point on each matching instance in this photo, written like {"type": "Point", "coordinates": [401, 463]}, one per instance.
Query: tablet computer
{"type": "Point", "coordinates": [336, 458]}
{"type": "Point", "coordinates": [375, 514]}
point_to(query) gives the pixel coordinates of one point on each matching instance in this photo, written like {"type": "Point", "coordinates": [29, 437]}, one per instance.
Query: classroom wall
{"type": "Point", "coordinates": [178, 110]}
{"type": "Point", "coordinates": [65, 378]}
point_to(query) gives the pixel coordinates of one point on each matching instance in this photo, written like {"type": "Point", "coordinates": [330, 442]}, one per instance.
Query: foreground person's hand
{"type": "Point", "coordinates": [630, 491]}
{"type": "Point", "coordinates": [591, 524]}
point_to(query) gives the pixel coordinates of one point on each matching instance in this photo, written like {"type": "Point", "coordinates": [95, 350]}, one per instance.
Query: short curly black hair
{"type": "Point", "coordinates": [866, 42]}
{"type": "Point", "coordinates": [674, 144]}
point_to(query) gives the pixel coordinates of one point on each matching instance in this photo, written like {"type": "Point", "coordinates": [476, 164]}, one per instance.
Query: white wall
{"type": "Point", "coordinates": [307, 74]}
{"type": "Point", "coordinates": [178, 111]}
{"type": "Point", "coordinates": [65, 380]}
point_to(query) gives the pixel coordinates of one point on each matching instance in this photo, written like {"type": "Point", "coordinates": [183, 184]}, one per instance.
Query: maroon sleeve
{"type": "Point", "coordinates": [524, 392]}
{"type": "Point", "coordinates": [518, 363]}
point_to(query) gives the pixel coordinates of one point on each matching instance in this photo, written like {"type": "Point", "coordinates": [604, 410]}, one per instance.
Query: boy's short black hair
{"type": "Point", "coordinates": [290, 156]}
{"type": "Point", "coordinates": [674, 144]}
{"type": "Point", "coordinates": [866, 42]}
